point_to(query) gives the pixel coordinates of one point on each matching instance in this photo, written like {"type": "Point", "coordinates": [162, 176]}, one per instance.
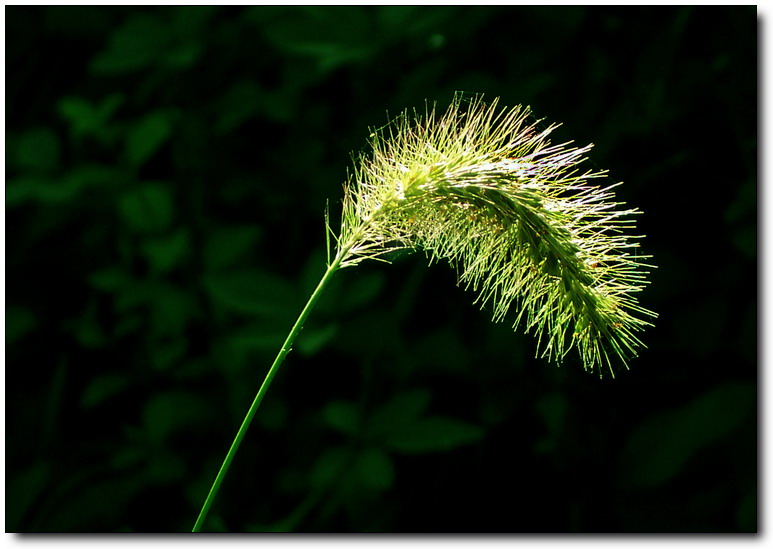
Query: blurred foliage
{"type": "Point", "coordinates": [167, 170]}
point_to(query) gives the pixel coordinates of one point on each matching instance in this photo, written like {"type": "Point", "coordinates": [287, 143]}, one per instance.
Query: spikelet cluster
{"type": "Point", "coordinates": [524, 225]}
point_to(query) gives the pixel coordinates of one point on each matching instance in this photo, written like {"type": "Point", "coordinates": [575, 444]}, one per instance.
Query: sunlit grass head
{"type": "Point", "coordinates": [524, 223]}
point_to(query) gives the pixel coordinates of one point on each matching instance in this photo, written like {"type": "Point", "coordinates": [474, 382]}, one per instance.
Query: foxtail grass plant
{"type": "Point", "coordinates": [525, 226]}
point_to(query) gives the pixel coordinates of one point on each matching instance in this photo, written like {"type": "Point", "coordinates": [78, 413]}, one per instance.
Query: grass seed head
{"type": "Point", "coordinates": [522, 222]}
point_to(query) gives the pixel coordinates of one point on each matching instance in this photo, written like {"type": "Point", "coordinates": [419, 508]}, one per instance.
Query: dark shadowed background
{"type": "Point", "coordinates": [166, 177]}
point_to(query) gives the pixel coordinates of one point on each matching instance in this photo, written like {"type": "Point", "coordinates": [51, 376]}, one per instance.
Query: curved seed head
{"type": "Point", "coordinates": [523, 223]}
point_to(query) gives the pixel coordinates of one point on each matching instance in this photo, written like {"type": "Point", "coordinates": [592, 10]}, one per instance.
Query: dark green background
{"type": "Point", "coordinates": [166, 176]}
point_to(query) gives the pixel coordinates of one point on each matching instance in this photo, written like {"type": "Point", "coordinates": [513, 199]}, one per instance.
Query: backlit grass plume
{"type": "Point", "coordinates": [523, 223]}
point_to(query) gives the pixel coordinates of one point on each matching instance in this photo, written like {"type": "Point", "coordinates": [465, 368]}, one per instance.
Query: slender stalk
{"type": "Point", "coordinates": [286, 347]}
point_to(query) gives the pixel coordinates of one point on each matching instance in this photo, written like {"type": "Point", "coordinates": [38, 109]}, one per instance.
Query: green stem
{"type": "Point", "coordinates": [286, 347]}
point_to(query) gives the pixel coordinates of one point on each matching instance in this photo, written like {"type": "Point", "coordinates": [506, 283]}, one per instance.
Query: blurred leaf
{"type": "Point", "coordinates": [661, 447]}
{"type": "Point", "coordinates": [370, 470]}
{"type": "Point", "coordinates": [247, 99]}
{"type": "Point", "coordinates": [400, 427]}
{"type": "Point", "coordinates": [330, 467]}
{"type": "Point", "coordinates": [252, 292]}
{"type": "Point", "coordinates": [433, 434]}
{"type": "Point", "coordinates": [90, 120]}
{"type": "Point", "coordinates": [189, 21]}
{"type": "Point", "coordinates": [183, 55]}
{"type": "Point", "coordinates": [38, 151]}
{"type": "Point", "coordinates": [134, 295]}
{"type": "Point", "coordinates": [19, 321]}
{"type": "Point", "coordinates": [343, 416]}
{"type": "Point", "coordinates": [87, 328]}
{"type": "Point", "coordinates": [21, 189]}
{"type": "Point", "coordinates": [180, 45]}
{"type": "Point", "coordinates": [146, 136]}
{"type": "Point", "coordinates": [87, 175]}
{"type": "Point", "coordinates": [314, 338]}
{"type": "Point", "coordinates": [110, 279]}
{"type": "Point", "coordinates": [148, 208]}
{"type": "Point", "coordinates": [164, 353]}
{"type": "Point", "coordinates": [171, 308]}
{"type": "Point", "coordinates": [718, 412]}
{"type": "Point", "coordinates": [164, 253]}
{"type": "Point", "coordinates": [58, 189]}
{"type": "Point", "coordinates": [401, 410]}
{"type": "Point", "coordinates": [398, 18]}
{"type": "Point", "coordinates": [333, 35]}
{"type": "Point", "coordinates": [240, 103]}
{"type": "Point", "coordinates": [414, 21]}
{"type": "Point", "coordinates": [79, 113]}
{"type": "Point", "coordinates": [225, 246]}
{"type": "Point", "coordinates": [170, 412]}
{"type": "Point", "coordinates": [102, 388]}
{"type": "Point", "coordinates": [374, 470]}
{"type": "Point", "coordinates": [216, 523]}
{"type": "Point", "coordinates": [264, 335]}
{"type": "Point", "coordinates": [134, 45]}
{"type": "Point", "coordinates": [126, 457]}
